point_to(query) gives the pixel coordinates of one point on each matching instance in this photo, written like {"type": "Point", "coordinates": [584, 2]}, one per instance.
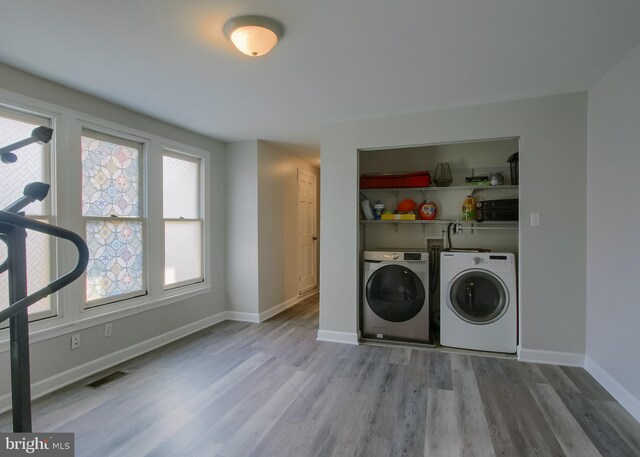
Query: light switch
{"type": "Point", "coordinates": [535, 219]}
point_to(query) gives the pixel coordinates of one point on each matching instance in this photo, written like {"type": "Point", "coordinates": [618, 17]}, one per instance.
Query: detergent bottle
{"type": "Point", "coordinates": [469, 209]}
{"type": "Point", "coordinates": [378, 209]}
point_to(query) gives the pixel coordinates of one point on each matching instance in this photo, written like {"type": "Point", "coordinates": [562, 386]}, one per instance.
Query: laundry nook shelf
{"type": "Point", "coordinates": [440, 189]}
{"type": "Point", "coordinates": [463, 190]}
{"type": "Point", "coordinates": [441, 221]}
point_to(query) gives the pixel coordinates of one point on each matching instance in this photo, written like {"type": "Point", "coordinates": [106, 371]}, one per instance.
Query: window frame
{"type": "Point", "coordinates": [180, 155]}
{"type": "Point", "coordinates": [20, 113]}
{"type": "Point", "coordinates": [108, 135]}
{"type": "Point", "coordinates": [65, 211]}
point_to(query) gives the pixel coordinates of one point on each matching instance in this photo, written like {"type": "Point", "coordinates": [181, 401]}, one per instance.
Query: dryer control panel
{"type": "Point", "coordinates": [399, 255]}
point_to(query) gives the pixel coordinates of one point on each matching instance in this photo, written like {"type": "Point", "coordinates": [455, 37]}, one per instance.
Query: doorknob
{"type": "Point", "coordinates": [315, 238]}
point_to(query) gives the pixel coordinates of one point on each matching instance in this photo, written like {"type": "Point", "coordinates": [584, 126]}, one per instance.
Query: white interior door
{"type": "Point", "coordinates": [307, 275]}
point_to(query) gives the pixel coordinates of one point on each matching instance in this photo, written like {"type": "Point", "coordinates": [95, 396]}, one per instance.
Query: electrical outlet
{"type": "Point", "coordinates": [433, 242]}
{"type": "Point", "coordinates": [535, 219]}
{"type": "Point", "coordinates": [108, 329]}
{"type": "Point", "coordinates": [75, 341]}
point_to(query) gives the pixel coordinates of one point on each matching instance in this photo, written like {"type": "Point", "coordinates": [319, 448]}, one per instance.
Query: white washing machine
{"type": "Point", "coordinates": [396, 295]}
{"type": "Point", "coordinates": [478, 299]}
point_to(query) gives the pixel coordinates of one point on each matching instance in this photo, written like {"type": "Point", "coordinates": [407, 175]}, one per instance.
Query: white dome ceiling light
{"type": "Point", "coordinates": [253, 35]}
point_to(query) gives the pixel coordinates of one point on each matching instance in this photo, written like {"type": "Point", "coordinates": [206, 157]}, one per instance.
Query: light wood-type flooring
{"type": "Point", "coordinates": [271, 389]}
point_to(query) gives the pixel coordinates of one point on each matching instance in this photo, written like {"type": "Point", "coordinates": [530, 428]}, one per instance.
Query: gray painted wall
{"type": "Point", "coordinates": [42, 89]}
{"type": "Point", "coordinates": [242, 226]}
{"type": "Point", "coordinates": [552, 264]}
{"type": "Point", "coordinates": [613, 301]}
{"type": "Point", "coordinates": [51, 357]}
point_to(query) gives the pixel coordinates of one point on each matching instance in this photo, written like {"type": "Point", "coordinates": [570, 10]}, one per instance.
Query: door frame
{"type": "Point", "coordinates": [315, 230]}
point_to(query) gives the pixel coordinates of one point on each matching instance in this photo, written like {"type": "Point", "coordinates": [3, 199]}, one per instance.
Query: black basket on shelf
{"type": "Point", "coordinates": [513, 164]}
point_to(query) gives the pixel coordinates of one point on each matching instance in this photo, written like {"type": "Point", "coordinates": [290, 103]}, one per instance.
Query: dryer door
{"type": "Point", "coordinates": [395, 293]}
{"type": "Point", "coordinates": [478, 296]}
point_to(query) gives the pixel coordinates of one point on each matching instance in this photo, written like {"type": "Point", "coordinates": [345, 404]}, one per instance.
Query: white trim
{"type": "Point", "coordinates": [268, 314]}
{"type": "Point", "coordinates": [110, 128]}
{"type": "Point", "coordinates": [30, 105]}
{"type": "Point", "coordinates": [63, 328]}
{"type": "Point", "coordinates": [338, 337]}
{"type": "Point", "coordinates": [242, 317]}
{"type": "Point", "coordinates": [570, 359]}
{"type": "Point", "coordinates": [75, 374]}
{"type": "Point", "coordinates": [617, 390]}
{"type": "Point", "coordinates": [201, 196]}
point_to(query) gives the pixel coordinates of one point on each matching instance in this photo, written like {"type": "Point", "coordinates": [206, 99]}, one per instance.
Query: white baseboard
{"type": "Point", "coordinates": [617, 390]}
{"type": "Point", "coordinates": [570, 359]}
{"type": "Point", "coordinates": [337, 337]}
{"type": "Point", "coordinates": [60, 380]}
{"type": "Point", "coordinates": [268, 314]}
{"type": "Point", "coordinates": [242, 317]}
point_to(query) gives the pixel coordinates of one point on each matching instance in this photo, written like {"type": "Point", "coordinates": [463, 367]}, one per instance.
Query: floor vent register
{"type": "Point", "coordinates": [107, 379]}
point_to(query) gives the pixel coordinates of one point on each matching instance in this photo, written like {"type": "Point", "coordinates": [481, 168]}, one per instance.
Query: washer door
{"type": "Point", "coordinates": [395, 293]}
{"type": "Point", "coordinates": [478, 296]}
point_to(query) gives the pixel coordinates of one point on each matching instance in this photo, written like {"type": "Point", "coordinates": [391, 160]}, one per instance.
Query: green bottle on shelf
{"type": "Point", "coordinates": [469, 209]}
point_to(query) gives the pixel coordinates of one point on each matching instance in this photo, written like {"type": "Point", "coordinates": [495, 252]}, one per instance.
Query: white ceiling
{"type": "Point", "coordinates": [338, 60]}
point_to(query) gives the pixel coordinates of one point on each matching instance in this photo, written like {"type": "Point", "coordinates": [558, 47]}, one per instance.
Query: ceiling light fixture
{"type": "Point", "coordinates": [253, 35]}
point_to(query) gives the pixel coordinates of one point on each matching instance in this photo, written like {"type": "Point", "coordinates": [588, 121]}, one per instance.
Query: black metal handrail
{"type": "Point", "coordinates": [83, 258]}
{"type": "Point", "coordinates": [40, 135]}
{"type": "Point", "coordinates": [13, 232]}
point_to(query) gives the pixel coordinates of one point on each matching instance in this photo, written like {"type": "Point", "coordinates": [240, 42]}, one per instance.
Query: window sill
{"type": "Point", "coordinates": [92, 317]}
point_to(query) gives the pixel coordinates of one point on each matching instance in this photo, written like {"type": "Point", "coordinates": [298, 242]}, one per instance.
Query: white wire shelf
{"type": "Point", "coordinates": [435, 188]}
{"type": "Point", "coordinates": [439, 221]}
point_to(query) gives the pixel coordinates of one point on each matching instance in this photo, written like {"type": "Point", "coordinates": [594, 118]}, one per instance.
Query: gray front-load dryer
{"type": "Point", "coordinates": [396, 295]}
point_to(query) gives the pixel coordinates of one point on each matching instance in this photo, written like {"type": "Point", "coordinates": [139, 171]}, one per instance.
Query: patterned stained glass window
{"type": "Point", "coordinates": [110, 178]}
{"type": "Point", "coordinates": [182, 220]}
{"type": "Point", "coordinates": [115, 266]}
{"type": "Point", "coordinates": [32, 165]}
{"type": "Point", "coordinates": [113, 215]}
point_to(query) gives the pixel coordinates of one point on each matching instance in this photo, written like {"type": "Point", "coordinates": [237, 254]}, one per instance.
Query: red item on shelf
{"type": "Point", "coordinates": [427, 211]}
{"type": "Point", "coordinates": [406, 206]}
{"type": "Point", "coordinates": [385, 181]}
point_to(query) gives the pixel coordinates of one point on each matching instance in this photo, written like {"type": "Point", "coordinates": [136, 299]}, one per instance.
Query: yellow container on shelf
{"type": "Point", "coordinates": [469, 209]}
{"type": "Point", "coordinates": [398, 217]}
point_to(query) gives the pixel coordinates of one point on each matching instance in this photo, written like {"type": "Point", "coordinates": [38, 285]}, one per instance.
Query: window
{"type": "Point", "coordinates": [182, 210]}
{"type": "Point", "coordinates": [113, 215]}
{"type": "Point", "coordinates": [32, 165]}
